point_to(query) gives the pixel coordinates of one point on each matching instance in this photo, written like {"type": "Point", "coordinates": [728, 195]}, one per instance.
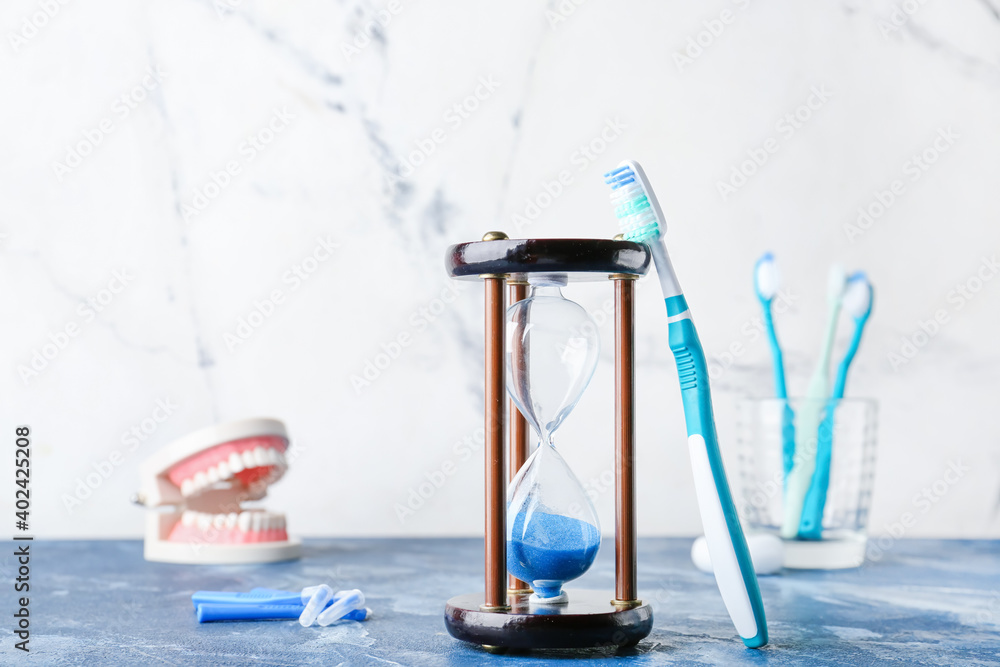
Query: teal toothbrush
{"type": "Point", "coordinates": [858, 299]}
{"type": "Point", "coordinates": [766, 281]}
{"type": "Point", "coordinates": [641, 220]}
{"type": "Point", "coordinates": [804, 463]}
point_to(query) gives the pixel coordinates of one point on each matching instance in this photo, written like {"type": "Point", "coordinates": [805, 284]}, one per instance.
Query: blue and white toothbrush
{"type": "Point", "coordinates": [858, 299]}
{"type": "Point", "coordinates": [641, 220]}
{"type": "Point", "coordinates": [806, 431]}
{"type": "Point", "coordinates": [765, 282]}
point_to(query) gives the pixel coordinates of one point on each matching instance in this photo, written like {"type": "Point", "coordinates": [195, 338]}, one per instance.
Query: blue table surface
{"type": "Point", "coordinates": [926, 602]}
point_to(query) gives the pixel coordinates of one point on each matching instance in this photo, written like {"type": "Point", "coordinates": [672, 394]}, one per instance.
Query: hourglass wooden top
{"type": "Point", "coordinates": [579, 259]}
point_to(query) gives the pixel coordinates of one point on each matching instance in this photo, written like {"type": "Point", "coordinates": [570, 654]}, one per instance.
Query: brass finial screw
{"type": "Point", "coordinates": [619, 237]}
{"type": "Point", "coordinates": [494, 236]}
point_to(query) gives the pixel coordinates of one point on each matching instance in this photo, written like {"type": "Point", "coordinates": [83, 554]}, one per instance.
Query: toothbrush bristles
{"type": "Point", "coordinates": [636, 217]}
{"type": "Point", "coordinates": [619, 177]}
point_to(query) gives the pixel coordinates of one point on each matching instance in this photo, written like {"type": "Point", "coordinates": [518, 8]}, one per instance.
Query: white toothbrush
{"type": "Point", "coordinates": [641, 220]}
{"type": "Point", "coordinates": [810, 414]}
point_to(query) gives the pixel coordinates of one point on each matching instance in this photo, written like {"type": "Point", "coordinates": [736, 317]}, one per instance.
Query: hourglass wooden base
{"type": "Point", "coordinates": [589, 620]}
{"type": "Point", "coordinates": [501, 617]}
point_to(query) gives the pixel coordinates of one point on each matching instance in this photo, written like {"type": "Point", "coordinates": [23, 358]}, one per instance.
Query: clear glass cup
{"type": "Point", "coordinates": [844, 446]}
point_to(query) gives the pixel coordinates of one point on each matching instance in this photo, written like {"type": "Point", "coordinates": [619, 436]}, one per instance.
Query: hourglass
{"type": "Point", "coordinates": [541, 527]}
{"type": "Point", "coordinates": [552, 529]}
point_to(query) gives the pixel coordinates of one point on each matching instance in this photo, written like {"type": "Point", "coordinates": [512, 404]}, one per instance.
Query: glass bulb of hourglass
{"type": "Point", "coordinates": [553, 533]}
{"type": "Point", "coordinates": [552, 348]}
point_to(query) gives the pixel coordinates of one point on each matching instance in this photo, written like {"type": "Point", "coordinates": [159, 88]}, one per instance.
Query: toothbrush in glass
{"type": "Point", "coordinates": [804, 463]}
{"type": "Point", "coordinates": [766, 281]}
{"type": "Point", "coordinates": [858, 298]}
{"type": "Point", "coordinates": [641, 220]}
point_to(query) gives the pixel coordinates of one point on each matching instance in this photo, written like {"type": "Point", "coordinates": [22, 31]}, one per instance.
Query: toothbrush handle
{"type": "Point", "coordinates": [811, 523]}
{"type": "Point", "coordinates": [780, 390]}
{"type": "Point", "coordinates": [787, 439]}
{"type": "Point", "coordinates": [727, 546]}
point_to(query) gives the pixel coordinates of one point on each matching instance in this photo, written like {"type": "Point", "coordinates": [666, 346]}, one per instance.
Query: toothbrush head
{"type": "Point", "coordinates": [639, 216]}
{"type": "Point", "coordinates": [766, 277]}
{"type": "Point", "coordinates": [858, 296]}
{"type": "Point", "coordinates": [835, 285]}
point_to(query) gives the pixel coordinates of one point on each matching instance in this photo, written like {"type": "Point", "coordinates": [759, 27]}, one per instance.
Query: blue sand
{"type": "Point", "coordinates": [552, 549]}
{"type": "Point", "coordinates": [97, 602]}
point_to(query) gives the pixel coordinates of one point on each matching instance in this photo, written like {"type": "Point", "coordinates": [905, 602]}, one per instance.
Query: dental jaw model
{"type": "Point", "coordinates": [201, 480]}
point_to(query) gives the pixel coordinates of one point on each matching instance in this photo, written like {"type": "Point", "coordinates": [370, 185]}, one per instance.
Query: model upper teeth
{"type": "Point", "coordinates": [227, 469]}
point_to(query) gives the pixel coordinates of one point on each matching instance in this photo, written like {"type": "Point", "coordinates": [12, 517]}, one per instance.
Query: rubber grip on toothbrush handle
{"type": "Point", "coordinates": [734, 573]}
{"type": "Point", "coordinates": [730, 575]}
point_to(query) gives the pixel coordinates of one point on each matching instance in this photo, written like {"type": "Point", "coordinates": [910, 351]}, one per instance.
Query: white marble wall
{"type": "Point", "coordinates": [219, 144]}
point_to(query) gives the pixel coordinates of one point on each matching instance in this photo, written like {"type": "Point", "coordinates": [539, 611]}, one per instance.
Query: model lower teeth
{"type": "Point", "coordinates": [232, 528]}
